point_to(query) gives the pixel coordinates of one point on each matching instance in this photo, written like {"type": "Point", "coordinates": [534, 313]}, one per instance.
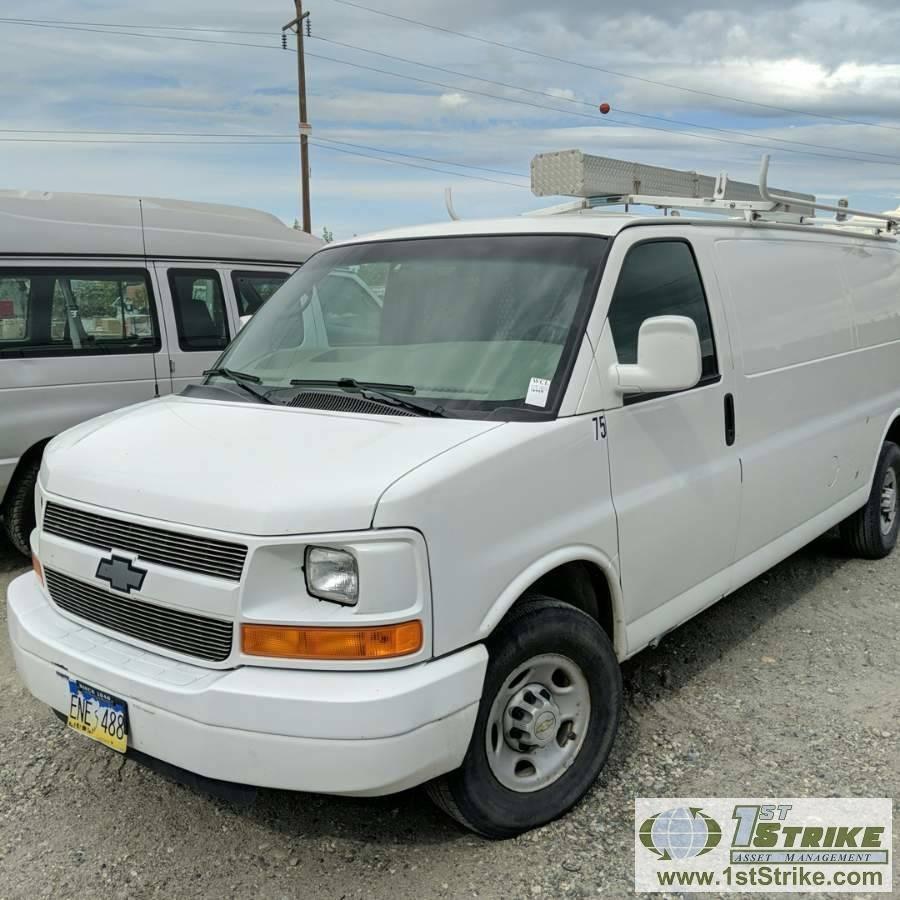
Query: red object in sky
{"type": "Point", "coordinates": [604, 108]}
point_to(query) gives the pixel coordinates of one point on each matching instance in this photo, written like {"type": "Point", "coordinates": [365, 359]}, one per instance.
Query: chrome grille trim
{"type": "Point", "coordinates": [205, 556]}
{"type": "Point", "coordinates": [183, 632]}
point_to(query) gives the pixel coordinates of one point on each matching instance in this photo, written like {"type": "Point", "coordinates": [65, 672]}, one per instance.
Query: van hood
{"type": "Point", "coordinates": [244, 468]}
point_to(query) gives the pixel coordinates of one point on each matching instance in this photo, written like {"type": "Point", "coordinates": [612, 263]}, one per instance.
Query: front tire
{"type": "Point", "coordinates": [18, 509]}
{"type": "Point", "coordinates": [549, 712]}
{"type": "Point", "coordinates": [871, 532]}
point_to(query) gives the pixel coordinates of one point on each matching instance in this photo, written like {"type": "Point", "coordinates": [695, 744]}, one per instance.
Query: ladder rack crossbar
{"type": "Point", "coordinates": [751, 210]}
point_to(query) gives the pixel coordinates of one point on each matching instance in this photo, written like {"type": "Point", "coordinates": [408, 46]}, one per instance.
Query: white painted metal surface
{"type": "Point", "coordinates": [648, 490]}
{"type": "Point", "coordinates": [289, 494]}
{"type": "Point", "coordinates": [52, 223]}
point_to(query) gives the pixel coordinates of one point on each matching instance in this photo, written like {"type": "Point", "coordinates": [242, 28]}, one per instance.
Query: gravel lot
{"type": "Point", "coordinates": [789, 687]}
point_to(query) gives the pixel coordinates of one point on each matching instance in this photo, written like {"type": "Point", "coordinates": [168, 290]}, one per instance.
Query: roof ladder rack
{"type": "Point", "coordinates": [599, 181]}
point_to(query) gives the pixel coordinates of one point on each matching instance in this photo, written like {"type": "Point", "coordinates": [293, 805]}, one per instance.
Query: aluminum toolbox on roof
{"type": "Point", "coordinates": [572, 173]}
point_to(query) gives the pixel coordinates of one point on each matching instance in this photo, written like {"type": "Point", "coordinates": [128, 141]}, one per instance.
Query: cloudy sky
{"type": "Point", "coordinates": [814, 73]}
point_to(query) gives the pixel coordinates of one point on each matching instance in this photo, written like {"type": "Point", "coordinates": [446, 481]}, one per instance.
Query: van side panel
{"type": "Point", "coordinates": [801, 389]}
{"type": "Point", "coordinates": [45, 390]}
{"type": "Point", "coordinates": [38, 401]}
{"type": "Point", "coordinates": [872, 274]}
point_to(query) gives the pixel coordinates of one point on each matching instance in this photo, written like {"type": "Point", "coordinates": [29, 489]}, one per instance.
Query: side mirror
{"type": "Point", "coordinates": [668, 358]}
{"type": "Point", "coordinates": [243, 321]}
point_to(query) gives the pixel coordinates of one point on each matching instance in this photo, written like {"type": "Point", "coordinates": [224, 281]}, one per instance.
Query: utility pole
{"type": "Point", "coordinates": [296, 25]}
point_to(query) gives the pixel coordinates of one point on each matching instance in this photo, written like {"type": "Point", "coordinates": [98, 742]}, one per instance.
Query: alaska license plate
{"type": "Point", "coordinates": [98, 715]}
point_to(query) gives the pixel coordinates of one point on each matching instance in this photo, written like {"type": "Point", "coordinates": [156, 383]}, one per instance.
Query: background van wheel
{"type": "Point", "coordinates": [549, 712]}
{"type": "Point", "coordinates": [871, 532]}
{"type": "Point", "coordinates": [18, 508]}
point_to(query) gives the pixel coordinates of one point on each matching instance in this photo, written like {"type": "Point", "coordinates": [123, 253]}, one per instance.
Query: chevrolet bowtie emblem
{"type": "Point", "coordinates": [121, 574]}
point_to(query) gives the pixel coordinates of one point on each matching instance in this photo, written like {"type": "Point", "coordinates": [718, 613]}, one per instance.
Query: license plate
{"type": "Point", "coordinates": [99, 715]}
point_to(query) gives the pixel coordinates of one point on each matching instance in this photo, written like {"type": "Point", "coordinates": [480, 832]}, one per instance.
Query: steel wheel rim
{"type": "Point", "coordinates": [888, 506]}
{"type": "Point", "coordinates": [526, 753]}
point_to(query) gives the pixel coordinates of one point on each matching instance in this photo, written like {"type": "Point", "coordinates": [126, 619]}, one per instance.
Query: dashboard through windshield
{"type": "Point", "coordinates": [461, 324]}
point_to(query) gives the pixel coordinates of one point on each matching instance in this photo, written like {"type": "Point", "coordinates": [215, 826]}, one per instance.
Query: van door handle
{"type": "Point", "coordinates": [729, 420]}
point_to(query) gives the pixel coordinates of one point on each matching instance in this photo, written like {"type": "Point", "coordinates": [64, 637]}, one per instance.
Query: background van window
{"type": "Point", "coordinates": [52, 312]}
{"type": "Point", "coordinates": [199, 309]}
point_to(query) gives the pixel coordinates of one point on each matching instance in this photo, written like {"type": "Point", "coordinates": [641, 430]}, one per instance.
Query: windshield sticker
{"type": "Point", "coordinates": [538, 389]}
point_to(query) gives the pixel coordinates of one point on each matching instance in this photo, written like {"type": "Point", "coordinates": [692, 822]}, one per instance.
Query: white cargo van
{"type": "Point", "coordinates": [107, 301]}
{"type": "Point", "coordinates": [415, 548]}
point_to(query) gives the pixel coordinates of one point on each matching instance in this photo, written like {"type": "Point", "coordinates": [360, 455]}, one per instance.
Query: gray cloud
{"type": "Point", "coordinates": [836, 57]}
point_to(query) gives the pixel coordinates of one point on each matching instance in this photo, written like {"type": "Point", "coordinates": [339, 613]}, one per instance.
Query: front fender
{"type": "Point", "coordinates": [526, 578]}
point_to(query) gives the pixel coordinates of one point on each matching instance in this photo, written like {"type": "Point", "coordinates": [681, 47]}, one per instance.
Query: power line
{"type": "Point", "coordinates": [227, 139]}
{"type": "Point", "coordinates": [426, 158]}
{"type": "Point", "coordinates": [34, 23]}
{"type": "Point", "coordinates": [108, 25]}
{"type": "Point", "coordinates": [250, 138]}
{"type": "Point", "coordinates": [584, 65]}
{"type": "Point", "coordinates": [597, 118]}
{"type": "Point", "coordinates": [452, 87]}
{"type": "Point", "coordinates": [575, 100]}
{"type": "Point", "coordinates": [272, 33]}
{"type": "Point", "coordinates": [279, 140]}
{"type": "Point", "coordinates": [417, 166]}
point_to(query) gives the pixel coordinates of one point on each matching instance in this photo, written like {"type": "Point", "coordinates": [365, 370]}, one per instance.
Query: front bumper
{"type": "Point", "coordinates": [356, 733]}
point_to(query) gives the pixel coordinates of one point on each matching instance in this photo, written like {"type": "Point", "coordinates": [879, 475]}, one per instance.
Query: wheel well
{"type": "Point", "coordinates": [33, 452]}
{"type": "Point", "coordinates": [893, 433]}
{"type": "Point", "coordinates": [583, 585]}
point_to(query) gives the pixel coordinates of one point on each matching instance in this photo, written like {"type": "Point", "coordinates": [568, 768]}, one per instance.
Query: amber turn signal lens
{"type": "Point", "coordinates": [291, 642]}
{"type": "Point", "coordinates": [38, 568]}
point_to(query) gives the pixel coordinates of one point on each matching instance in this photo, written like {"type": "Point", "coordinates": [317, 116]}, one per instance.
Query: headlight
{"type": "Point", "coordinates": [332, 575]}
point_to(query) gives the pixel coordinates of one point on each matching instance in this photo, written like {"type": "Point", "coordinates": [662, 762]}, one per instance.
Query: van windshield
{"type": "Point", "coordinates": [467, 324]}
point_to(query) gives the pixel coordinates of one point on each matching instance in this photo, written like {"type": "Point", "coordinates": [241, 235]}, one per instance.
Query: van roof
{"type": "Point", "coordinates": [38, 223]}
{"type": "Point", "coordinates": [604, 224]}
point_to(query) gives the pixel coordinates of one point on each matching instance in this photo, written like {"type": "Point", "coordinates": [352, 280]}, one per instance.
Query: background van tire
{"type": "Point", "coordinates": [18, 508]}
{"type": "Point", "coordinates": [871, 532]}
{"type": "Point", "coordinates": [567, 729]}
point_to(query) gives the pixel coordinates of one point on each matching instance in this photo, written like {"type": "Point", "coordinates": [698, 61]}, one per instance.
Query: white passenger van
{"type": "Point", "coordinates": [107, 301]}
{"type": "Point", "coordinates": [417, 550]}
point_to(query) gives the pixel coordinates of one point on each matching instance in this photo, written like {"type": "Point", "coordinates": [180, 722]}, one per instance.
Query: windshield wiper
{"type": "Point", "coordinates": [353, 383]}
{"type": "Point", "coordinates": [241, 379]}
{"type": "Point", "coordinates": [377, 392]}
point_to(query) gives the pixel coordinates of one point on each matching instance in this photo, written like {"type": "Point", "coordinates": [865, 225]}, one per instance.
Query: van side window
{"type": "Point", "coordinates": [199, 309]}
{"type": "Point", "coordinates": [351, 313]}
{"type": "Point", "coordinates": [51, 312]}
{"type": "Point", "coordinates": [660, 278]}
{"type": "Point", "coordinates": [15, 300]}
{"type": "Point", "coordinates": [252, 289]}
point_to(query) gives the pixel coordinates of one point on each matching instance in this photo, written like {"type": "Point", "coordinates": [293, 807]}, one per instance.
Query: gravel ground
{"type": "Point", "coordinates": [789, 687]}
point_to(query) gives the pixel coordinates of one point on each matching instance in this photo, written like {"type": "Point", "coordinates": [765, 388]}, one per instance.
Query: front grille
{"type": "Point", "coordinates": [183, 632]}
{"type": "Point", "coordinates": [346, 403]}
{"type": "Point", "coordinates": [205, 556]}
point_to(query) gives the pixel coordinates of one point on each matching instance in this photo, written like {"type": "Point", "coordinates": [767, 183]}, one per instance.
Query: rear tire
{"type": "Point", "coordinates": [18, 508]}
{"type": "Point", "coordinates": [549, 712]}
{"type": "Point", "coordinates": [871, 532]}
